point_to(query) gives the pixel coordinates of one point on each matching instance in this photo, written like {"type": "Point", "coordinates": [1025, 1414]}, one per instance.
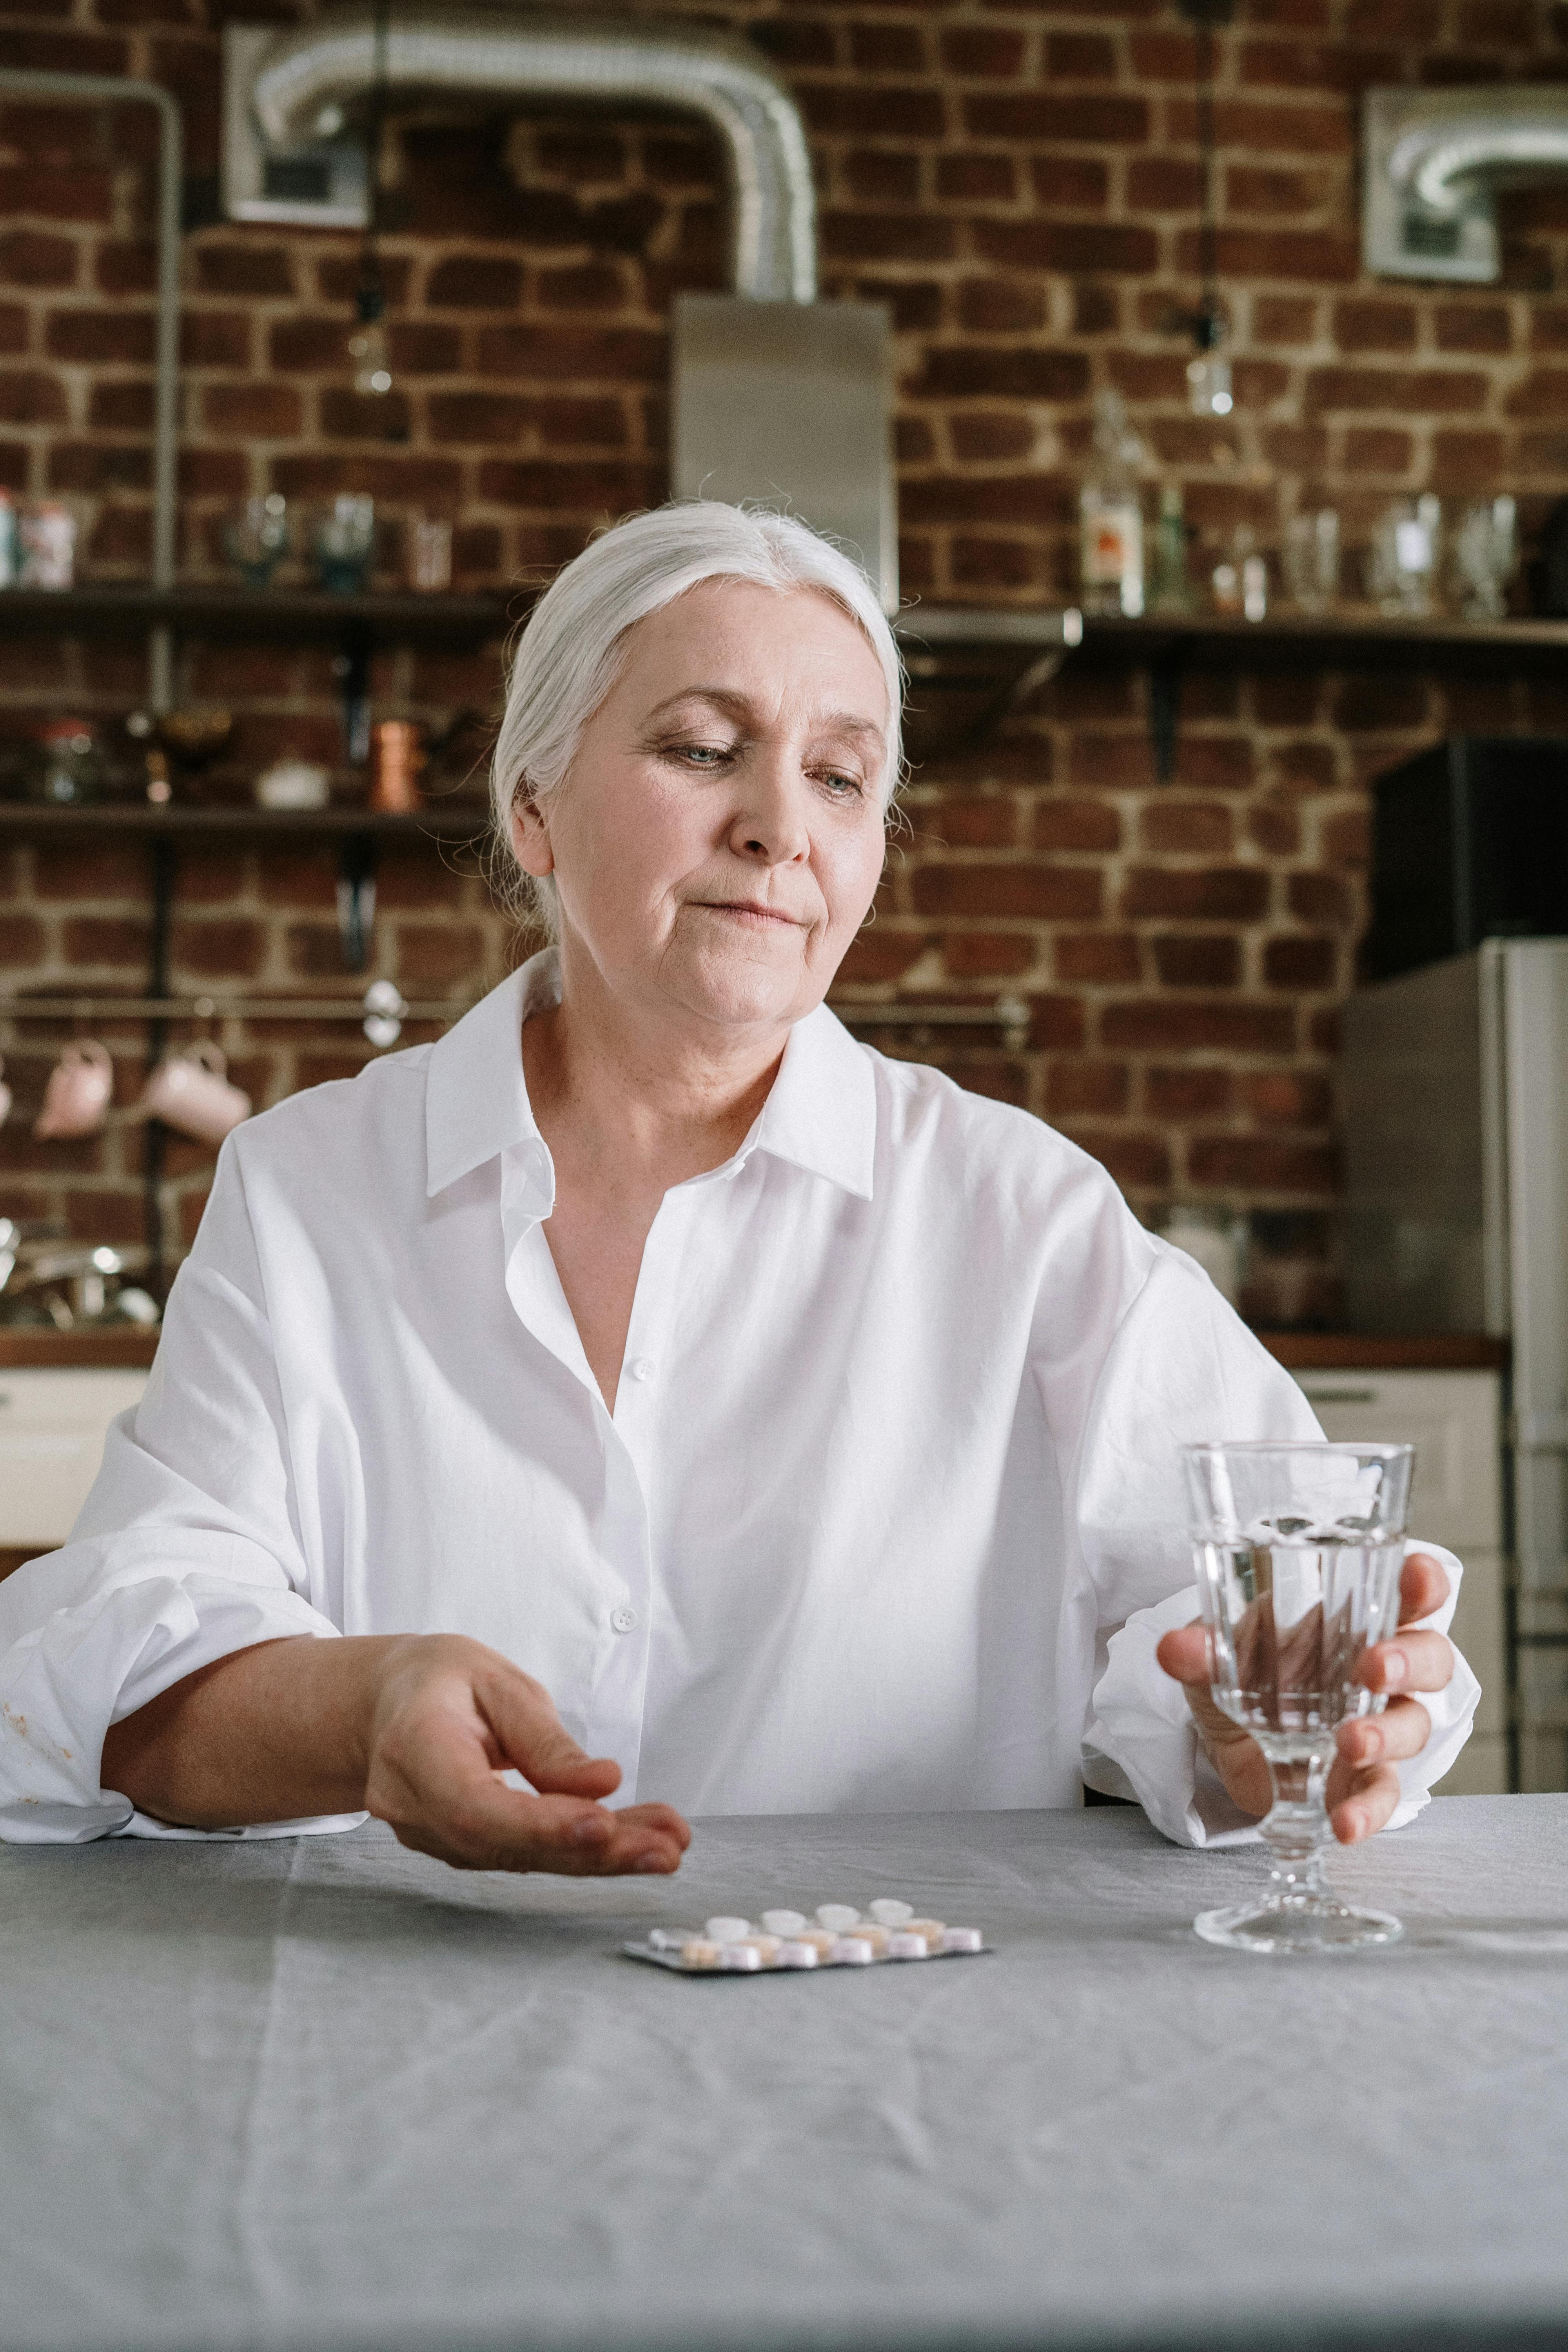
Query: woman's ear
{"type": "Point", "coordinates": [531, 834]}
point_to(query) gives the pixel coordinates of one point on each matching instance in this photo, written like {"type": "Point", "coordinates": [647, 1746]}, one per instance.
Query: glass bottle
{"type": "Point", "coordinates": [1110, 515]}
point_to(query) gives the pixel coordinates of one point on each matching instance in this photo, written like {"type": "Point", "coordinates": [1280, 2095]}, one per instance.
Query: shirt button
{"type": "Point", "coordinates": [641, 1368]}
{"type": "Point", "coordinates": [625, 1621]}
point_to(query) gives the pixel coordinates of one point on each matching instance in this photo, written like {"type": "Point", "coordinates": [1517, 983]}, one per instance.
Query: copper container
{"type": "Point", "coordinates": [396, 760]}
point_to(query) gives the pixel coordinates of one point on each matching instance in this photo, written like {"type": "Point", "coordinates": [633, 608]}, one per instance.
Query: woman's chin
{"type": "Point", "coordinates": [743, 990]}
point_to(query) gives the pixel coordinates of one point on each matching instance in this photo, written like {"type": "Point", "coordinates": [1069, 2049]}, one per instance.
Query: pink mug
{"type": "Point", "coordinates": [190, 1091]}
{"type": "Point", "coordinates": [76, 1098]}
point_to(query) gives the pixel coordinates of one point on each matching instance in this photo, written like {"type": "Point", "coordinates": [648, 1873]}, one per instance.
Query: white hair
{"type": "Point", "coordinates": [573, 643]}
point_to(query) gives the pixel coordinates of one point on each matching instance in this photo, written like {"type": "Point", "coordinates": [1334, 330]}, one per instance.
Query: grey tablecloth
{"type": "Point", "coordinates": [325, 2094]}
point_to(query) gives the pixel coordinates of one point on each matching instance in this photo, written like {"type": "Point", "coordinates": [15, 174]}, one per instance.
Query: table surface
{"type": "Point", "coordinates": [324, 2093]}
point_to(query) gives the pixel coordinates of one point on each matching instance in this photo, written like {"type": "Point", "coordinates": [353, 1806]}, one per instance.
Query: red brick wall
{"type": "Point", "coordinates": [1019, 183]}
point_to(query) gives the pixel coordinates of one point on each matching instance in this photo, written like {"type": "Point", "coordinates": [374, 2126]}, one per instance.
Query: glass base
{"type": "Point", "coordinates": [1297, 1924]}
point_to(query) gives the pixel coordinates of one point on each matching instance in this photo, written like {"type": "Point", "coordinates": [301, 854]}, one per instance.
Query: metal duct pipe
{"type": "Point", "coordinates": [17, 82]}
{"type": "Point", "coordinates": [1433, 162]}
{"type": "Point", "coordinates": [306, 79]}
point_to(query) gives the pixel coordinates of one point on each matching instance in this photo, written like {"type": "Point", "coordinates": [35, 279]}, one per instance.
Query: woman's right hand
{"type": "Point", "coordinates": [415, 1727]}
{"type": "Point", "coordinates": [449, 1716]}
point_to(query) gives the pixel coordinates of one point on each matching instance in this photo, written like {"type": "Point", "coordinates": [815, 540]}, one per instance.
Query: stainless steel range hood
{"type": "Point", "coordinates": [1432, 163]}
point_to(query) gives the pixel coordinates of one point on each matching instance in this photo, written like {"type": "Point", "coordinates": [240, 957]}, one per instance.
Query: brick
{"type": "Point", "coordinates": [1164, 1024]}
{"type": "Point", "coordinates": [1079, 57]}
{"type": "Point", "coordinates": [1017, 374]}
{"type": "Point", "coordinates": [1104, 959]}
{"type": "Point", "coordinates": [1219, 893]}
{"type": "Point", "coordinates": [82, 335]}
{"type": "Point", "coordinates": [1077, 1087]}
{"type": "Point", "coordinates": [1300, 963]}
{"type": "Point", "coordinates": [1260, 1165]}
{"type": "Point", "coordinates": [1043, 116]}
{"type": "Point", "coordinates": [983, 52]}
{"type": "Point", "coordinates": [1286, 1098]}
{"type": "Point", "coordinates": [1163, 184]}
{"type": "Point", "coordinates": [1204, 828]}
{"type": "Point", "coordinates": [1076, 824]}
{"type": "Point", "coordinates": [271, 412]}
{"type": "Point", "coordinates": [975, 179]}
{"type": "Point", "coordinates": [887, 48]}
{"type": "Point", "coordinates": [969, 823]}
{"type": "Point", "coordinates": [1196, 960]}
{"type": "Point", "coordinates": [1270, 189]}
{"type": "Point", "coordinates": [1178, 1094]}
{"type": "Point", "coordinates": [604, 487]}
{"type": "Point", "coordinates": [1398, 390]}
{"type": "Point", "coordinates": [344, 415]}
{"type": "Point", "coordinates": [989, 439]}
{"type": "Point", "coordinates": [1070, 183]}
{"type": "Point", "coordinates": [881, 954]}
{"type": "Point", "coordinates": [886, 237]}
{"type": "Point", "coordinates": [613, 354]}
{"type": "Point", "coordinates": [304, 345]}
{"type": "Point", "coordinates": [29, 258]}
{"type": "Point", "coordinates": [1379, 452]}
{"type": "Point", "coordinates": [986, 955]}
{"type": "Point", "coordinates": [1473, 327]}
{"type": "Point", "coordinates": [877, 176]}
{"type": "Point", "coordinates": [1134, 1161]}
{"type": "Point", "coordinates": [1380, 326]}
{"type": "Point", "coordinates": [28, 397]}
{"type": "Point", "coordinates": [1320, 898]}
{"type": "Point", "coordinates": [471, 281]}
{"type": "Point", "coordinates": [1322, 255]}
{"type": "Point", "coordinates": [1070, 246]}
{"type": "Point", "coordinates": [1284, 318]}
{"type": "Point", "coordinates": [1020, 889]}
{"type": "Point", "coordinates": [259, 269]}
{"type": "Point", "coordinates": [1543, 392]}
{"type": "Point", "coordinates": [221, 339]}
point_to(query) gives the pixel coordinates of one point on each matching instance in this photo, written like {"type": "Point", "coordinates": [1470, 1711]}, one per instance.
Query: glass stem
{"type": "Point", "coordinates": [1296, 1830]}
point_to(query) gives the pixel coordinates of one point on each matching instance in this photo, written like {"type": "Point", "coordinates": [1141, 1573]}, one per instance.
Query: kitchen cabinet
{"type": "Point", "coordinates": [1455, 1420]}
{"type": "Point", "coordinates": [53, 1421]}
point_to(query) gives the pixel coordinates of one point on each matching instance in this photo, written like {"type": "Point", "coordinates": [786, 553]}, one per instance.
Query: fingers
{"type": "Point", "coordinates": [1363, 1801]}
{"type": "Point", "coordinates": [530, 1735]}
{"type": "Point", "coordinates": [1423, 1587]}
{"type": "Point", "coordinates": [1400, 1732]}
{"type": "Point", "coordinates": [1415, 1661]}
{"type": "Point", "coordinates": [1187, 1655]}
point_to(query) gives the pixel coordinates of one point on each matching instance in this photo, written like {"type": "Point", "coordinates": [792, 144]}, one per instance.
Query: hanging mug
{"type": "Point", "coordinates": [191, 1091]}
{"type": "Point", "coordinates": [80, 1091]}
{"type": "Point", "coordinates": [4, 1099]}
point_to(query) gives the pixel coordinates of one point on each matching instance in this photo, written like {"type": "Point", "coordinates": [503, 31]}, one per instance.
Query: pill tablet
{"type": "Point", "coordinates": [673, 1939]}
{"type": "Point", "coordinates": [699, 1954]}
{"type": "Point", "coordinates": [740, 1960]}
{"type": "Point", "coordinates": [765, 1946]}
{"type": "Point", "coordinates": [876, 1936]}
{"type": "Point", "coordinates": [901, 1947]}
{"type": "Point", "coordinates": [934, 1930]}
{"type": "Point", "coordinates": [853, 1951]}
{"type": "Point", "coordinates": [725, 1930]}
{"type": "Point", "coordinates": [793, 1954]}
{"type": "Point", "coordinates": [962, 1939]}
{"type": "Point", "coordinates": [785, 1923]}
{"type": "Point", "coordinates": [821, 1939]}
{"type": "Point", "coordinates": [890, 1913]}
{"type": "Point", "coordinates": [837, 1915]}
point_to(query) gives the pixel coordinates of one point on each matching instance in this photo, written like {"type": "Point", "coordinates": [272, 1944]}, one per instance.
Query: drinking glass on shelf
{"type": "Point", "coordinates": [1486, 557]}
{"type": "Point", "coordinates": [255, 538]}
{"type": "Point", "coordinates": [429, 553]}
{"type": "Point", "coordinates": [345, 543]}
{"type": "Point", "coordinates": [1312, 558]}
{"type": "Point", "coordinates": [1298, 1550]}
{"type": "Point", "coordinates": [1406, 557]}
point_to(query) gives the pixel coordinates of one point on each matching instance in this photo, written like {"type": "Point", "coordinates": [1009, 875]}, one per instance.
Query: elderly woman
{"type": "Point", "coordinates": [648, 1392]}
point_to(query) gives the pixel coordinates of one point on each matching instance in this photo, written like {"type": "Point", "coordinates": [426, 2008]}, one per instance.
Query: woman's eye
{"type": "Point", "coordinates": [842, 786]}
{"type": "Point", "coordinates": [702, 755]}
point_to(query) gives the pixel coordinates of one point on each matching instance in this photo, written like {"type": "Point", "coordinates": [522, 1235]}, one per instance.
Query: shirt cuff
{"type": "Point", "coordinates": [1142, 1743]}
{"type": "Point", "coordinates": [65, 1682]}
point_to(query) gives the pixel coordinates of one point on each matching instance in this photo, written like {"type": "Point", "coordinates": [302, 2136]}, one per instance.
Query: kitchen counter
{"type": "Point", "coordinates": [117, 1347]}
{"type": "Point", "coordinates": [1384, 1351]}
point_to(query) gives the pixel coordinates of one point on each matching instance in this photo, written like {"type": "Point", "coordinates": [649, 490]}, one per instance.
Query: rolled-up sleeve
{"type": "Point", "coordinates": [1183, 1367]}
{"type": "Point", "coordinates": [186, 1551]}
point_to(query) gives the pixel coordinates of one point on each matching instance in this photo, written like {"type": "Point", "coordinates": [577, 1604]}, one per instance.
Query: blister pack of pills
{"type": "Point", "coordinates": [836, 1937]}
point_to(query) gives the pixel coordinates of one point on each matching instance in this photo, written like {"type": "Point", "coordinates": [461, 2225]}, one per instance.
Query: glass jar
{"type": "Point", "coordinates": [66, 770]}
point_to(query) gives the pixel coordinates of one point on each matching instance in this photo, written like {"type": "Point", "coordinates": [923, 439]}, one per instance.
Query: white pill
{"type": "Point", "coordinates": [783, 1923]}
{"type": "Point", "coordinates": [740, 1958]}
{"type": "Point", "coordinates": [907, 1948]}
{"type": "Point", "coordinates": [962, 1939]}
{"type": "Point", "coordinates": [837, 1915]}
{"type": "Point", "coordinates": [853, 1951]}
{"type": "Point", "coordinates": [725, 1930]}
{"type": "Point", "coordinates": [798, 1956]}
{"type": "Point", "coordinates": [887, 1912]}
{"type": "Point", "coordinates": [671, 1939]}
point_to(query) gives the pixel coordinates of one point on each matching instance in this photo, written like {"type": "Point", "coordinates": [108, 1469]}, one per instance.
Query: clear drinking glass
{"type": "Point", "coordinates": [1298, 1550]}
{"type": "Point", "coordinates": [1312, 558]}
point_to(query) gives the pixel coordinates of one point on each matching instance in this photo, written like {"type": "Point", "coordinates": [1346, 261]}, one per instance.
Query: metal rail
{"type": "Point", "coordinates": [24, 82]}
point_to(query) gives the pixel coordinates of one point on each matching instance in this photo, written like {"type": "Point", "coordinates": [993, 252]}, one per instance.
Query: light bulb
{"type": "Point", "coordinates": [1208, 385]}
{"type": "Point", "coordinates": [373, 365]}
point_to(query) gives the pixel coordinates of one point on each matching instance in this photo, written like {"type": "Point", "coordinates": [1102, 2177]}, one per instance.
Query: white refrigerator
{"type": "Point", "coordinates": [1456, 1103]}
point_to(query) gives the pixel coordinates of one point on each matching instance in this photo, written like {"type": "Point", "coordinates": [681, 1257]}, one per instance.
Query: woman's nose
{"type": "Point", "coordinates": [770, 822]}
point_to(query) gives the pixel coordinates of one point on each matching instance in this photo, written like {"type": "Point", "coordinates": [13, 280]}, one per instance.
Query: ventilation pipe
{"type": "Point", "coordinates": [1433, 162]}
{"type": "Point", "coordinates": [298, 88]}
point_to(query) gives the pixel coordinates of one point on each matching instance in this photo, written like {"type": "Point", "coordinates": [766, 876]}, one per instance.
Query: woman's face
{"type": "Point", "coordinates": [719, 837]}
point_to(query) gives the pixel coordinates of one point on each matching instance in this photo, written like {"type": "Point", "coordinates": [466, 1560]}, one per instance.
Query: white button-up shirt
{"type": "Point", "coordinates": [888, 1515]}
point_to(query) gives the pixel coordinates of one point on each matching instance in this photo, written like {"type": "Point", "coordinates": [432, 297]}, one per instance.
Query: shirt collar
{"type": "Point", "coordinates": [476, 1096]}
{"type": "Point", "coordinates": [820, 1116]}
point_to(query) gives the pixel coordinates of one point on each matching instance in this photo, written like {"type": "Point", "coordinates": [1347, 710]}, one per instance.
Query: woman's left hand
{"type": "Point", "coordinates": [1364, 1787]}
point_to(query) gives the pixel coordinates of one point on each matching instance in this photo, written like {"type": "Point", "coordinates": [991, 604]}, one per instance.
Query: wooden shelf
{"type": "Point", "coordinates": [107, 1347]}
{"type": "Point", "coordinates": [275, 615]}
{"type": "Point", "coordinates": [133, 821]}
{"type": "Point", "coordinates": [1350, 640]}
